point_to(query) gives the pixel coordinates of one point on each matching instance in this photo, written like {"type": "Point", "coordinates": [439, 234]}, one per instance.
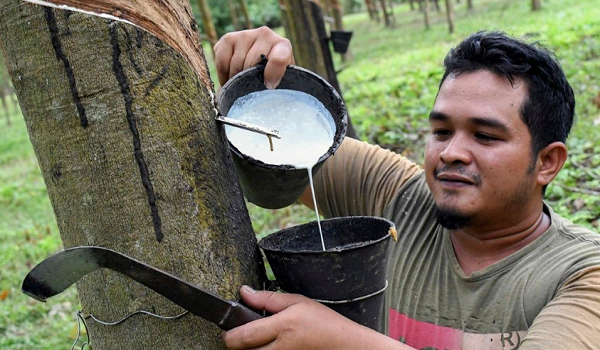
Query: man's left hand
{"type": "Point", "coordinates": [297, 323]}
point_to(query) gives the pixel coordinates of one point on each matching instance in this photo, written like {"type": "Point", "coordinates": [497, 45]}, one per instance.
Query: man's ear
{"type": "Point", "coordinates": [549, 162]}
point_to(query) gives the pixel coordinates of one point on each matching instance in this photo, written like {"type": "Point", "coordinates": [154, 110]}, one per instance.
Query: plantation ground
{"type": "Point", "coordinates": [389, 87]}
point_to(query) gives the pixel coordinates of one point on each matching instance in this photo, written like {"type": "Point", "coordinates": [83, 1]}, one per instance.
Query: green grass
{"type": "Point", "coordinates": [389, 86]}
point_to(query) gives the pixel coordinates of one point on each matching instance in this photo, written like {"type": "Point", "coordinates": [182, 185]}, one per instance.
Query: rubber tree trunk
{"type": "Point", "coordinates": [234, 15]}
{"type": "Point", "coordinates": [386, 14]}
{"type": "Point", "coordinates": [372, 8]}
{"type": "Point", "coordinates": [338, 23]}
{"type": "Point", "coordinates": [245, 13]}
{"type": "Point", "coordinates": [412, 4]}
{"type": "Point", "coordinates": [305, 28]}
{"type": "Point", "coordinates": [207, 23]}
{"type": "Point", "coordinates": [536, 5]}
{"type": "Point", "coordinates": [122, 122]}
{"type": "Point", "coordinates": [436, 3]}
{"type": "Point", "coordinates": [450, 15]}
{"type": "Point", "coordinates": [470, 5]}
{"type": "Point", "coordinates": [425, 9]}
{"type": "Point", "coordinates": [4, 89]}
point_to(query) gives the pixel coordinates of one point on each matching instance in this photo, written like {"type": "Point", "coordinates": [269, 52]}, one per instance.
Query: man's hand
{"type": "Point", "coordinates": [240, 50]}
{"type": "Point", "coordinates": [298, 323]}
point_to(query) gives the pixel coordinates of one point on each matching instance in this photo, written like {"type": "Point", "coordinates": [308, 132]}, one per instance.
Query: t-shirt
{"type": "Point", "coordinates": [544, 296]}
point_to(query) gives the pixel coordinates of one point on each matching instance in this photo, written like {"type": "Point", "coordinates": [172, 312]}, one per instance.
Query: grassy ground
{"type": "Point", "coordinates": [389, 87]}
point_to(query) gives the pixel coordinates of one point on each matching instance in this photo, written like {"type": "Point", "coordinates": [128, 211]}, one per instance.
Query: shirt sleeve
{"type": "Point", "coordinates": [572, 319]}
{"type": "Point", "coordinates": [361, 179]}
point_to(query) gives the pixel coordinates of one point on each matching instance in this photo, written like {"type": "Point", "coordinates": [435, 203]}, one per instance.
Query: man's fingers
{"type": "Point", "coordinates": [253, 335]}
{"type": "Point", "coordinates": [270, 301]}
{"type": "Point", "coordinates": [223, 52]}
{"type": "Point", "coordinates": [240, 51]}
{"type": "Point", "coordinates": [279, 58]}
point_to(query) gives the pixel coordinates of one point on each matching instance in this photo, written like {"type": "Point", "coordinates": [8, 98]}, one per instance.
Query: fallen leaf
{"type": "Point", "coordinates": [4, 294]}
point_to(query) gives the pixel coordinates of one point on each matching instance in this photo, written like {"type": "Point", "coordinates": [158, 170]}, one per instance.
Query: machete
{"type": "Point", "coordinates": [55, 274]}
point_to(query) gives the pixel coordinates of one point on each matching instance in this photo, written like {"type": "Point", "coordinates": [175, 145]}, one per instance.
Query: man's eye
{"type": "Point", "coordinates": [486, 138]}
{"type": "Point", "coordinates": [441, 132]}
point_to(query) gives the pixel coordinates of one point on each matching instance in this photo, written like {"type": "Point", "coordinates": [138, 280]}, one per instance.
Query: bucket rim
{"type": "Point", "coordinates": [336, 142]}
{"type": "Point", "coordinates": [328, 251]}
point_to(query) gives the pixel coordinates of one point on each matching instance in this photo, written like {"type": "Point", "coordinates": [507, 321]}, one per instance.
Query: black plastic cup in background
{"type": "Point", "coordinates": [277, 186]}
{"type": "Point", "coordinates": [349, 277]}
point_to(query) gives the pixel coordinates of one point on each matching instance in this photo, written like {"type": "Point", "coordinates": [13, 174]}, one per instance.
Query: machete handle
{"type": "Point", "coordinates": [239, 315]}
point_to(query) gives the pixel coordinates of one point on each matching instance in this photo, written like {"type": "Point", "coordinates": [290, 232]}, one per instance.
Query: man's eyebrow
{"type": "Point", "coordinates": [481, 121]}
{"type": "Point", "coordinates": [490, 123]}
{"type": "Point", "coordinates": [435, 115]}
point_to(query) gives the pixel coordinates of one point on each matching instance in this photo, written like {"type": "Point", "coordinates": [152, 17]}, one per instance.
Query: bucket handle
{"type": "Point", "coordinates": [353, 299]}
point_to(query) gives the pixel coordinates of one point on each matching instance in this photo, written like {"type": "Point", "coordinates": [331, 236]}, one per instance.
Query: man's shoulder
{"type": "Point", "coordinates": [573, 233]}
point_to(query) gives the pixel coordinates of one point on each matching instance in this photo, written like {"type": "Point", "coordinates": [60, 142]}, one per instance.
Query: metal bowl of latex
{"type": "Point", "coordinates": [311, 119]}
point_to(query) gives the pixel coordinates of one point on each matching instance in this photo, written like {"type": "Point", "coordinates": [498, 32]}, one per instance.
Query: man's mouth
{"type": "Point", "coordinates": [453, 180]}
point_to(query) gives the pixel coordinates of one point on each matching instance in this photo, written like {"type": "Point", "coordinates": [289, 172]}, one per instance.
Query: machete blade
{"type": "Point", "coordinates": [55, 274]}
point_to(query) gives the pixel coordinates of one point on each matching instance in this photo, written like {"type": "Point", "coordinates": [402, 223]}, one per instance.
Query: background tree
{"type": "Point", "coordinates": [386, 14]}
{"type": "Point", "coordinates": [122, 122]}
{"type": "Point", "coordinates": [372, 9]}
{"type": "Point", "coordinates": [450, 15]}
{"type": "Point", "coordinates": [234, 15]}
{"type": "Point", "coordinates": [470, 5]}
{"type": "Point", "coordinates": [245, 13]}
{"type": "Point", "coordinates": [337, 13]}
{"type": "Point", "coordinates": [207, 23]}
{"type": "Point", "coordinates": [536, 5]}
{"type": "Point", "coordinates": [305, 28]}
{"type": "Point", "coordinates": [425, 9]}
{"type": "Point", "coordinates": [5, 89]}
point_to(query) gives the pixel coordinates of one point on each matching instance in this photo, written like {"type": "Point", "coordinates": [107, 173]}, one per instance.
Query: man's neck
{"type": "Point", "coordinates": [476, 250]}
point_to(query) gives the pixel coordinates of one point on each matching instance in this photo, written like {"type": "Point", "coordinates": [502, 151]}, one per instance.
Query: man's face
{"type": "Point", "coordinates": [478, 158]}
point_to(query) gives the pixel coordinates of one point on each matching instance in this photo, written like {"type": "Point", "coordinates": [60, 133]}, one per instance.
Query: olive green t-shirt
{"type": "Point", "coordinates": [544, 296]}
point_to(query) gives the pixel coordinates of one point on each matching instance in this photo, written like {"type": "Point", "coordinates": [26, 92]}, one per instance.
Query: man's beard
{"type": "Point", "coordinates": [451, 219]}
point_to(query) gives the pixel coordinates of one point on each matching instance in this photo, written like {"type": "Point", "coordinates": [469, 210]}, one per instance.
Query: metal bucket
{"type": "Point", "coordinates": [277, 186]}
{"type": "Point", "coordinates": [349, 277]}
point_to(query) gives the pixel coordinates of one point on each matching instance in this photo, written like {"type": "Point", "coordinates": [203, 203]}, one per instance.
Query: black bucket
{"type": "Point", "coordinates": [277, 186]}
{"type": "Point", "coordinates": [340, 40]}
{"type": "Point", "coordinates": [349, 277]}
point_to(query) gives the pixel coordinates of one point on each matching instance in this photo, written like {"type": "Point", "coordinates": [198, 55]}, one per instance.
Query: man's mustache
{"type": "Point", "coordinates": [458, 170]}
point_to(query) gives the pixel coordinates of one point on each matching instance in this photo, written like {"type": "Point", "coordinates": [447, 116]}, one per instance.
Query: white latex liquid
{"type": "Point", "coordinates": [304, 124]}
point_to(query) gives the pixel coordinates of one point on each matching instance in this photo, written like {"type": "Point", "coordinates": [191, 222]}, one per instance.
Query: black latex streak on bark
{"type": "Point", "coordinates": [154, 83]}
{"type": "Point", "coordinates": [139, 157]}
{"type": "Point", "coordinates": [129, 50]}
{"type": "Point", "coordinates": [57, 45]}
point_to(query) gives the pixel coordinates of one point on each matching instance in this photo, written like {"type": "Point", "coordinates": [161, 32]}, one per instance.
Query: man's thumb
{"type": "Point", "coordinates": [272, 302]}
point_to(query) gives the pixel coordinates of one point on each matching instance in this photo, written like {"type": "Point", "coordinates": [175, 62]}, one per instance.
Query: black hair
{"type": "Point", "coordinates": [549, 108]}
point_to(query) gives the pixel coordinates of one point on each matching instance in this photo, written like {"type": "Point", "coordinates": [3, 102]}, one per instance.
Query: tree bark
{"type": "Point", "coordinates": [425, 9]}
{"type": "Point", "coordinates": [234, 15]}
{"type": "Point", "coordinates": [304, 26]}
{"type": "Point", "coordinates": [123, 127]}
{"type": "Point", "coordinates": [245, 13]}
{"type": "Point", "coordinates": [386, 14]}
{"type": "Point", "coordinates": [207, 23]}
{"type": "Point", "coordinates": [338, 24]}
{"type": "Point", "coordinates": [450, 15]}
{"type": "Point", "coordinates": [536, 5]}
{"type": "Point", "coordinates": [372, 8]}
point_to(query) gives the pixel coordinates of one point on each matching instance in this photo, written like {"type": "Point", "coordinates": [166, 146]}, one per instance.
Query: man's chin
{"type": "Point", "coordinates": [451, 219]}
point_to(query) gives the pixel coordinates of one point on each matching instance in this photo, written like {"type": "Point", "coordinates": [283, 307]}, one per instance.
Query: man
{"type": "Point", "coordinates": [481, 261]}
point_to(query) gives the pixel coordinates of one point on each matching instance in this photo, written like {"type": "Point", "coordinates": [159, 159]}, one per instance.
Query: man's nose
{"type": "Point", "coordinates": [457, 151]}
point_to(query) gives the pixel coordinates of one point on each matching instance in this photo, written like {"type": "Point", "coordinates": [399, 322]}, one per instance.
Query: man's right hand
{"type": "Point", "coordinates": [240, 50]}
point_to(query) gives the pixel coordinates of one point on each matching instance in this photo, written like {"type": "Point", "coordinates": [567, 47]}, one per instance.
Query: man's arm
{"type": "Point", "coordinates": [572, 319]}
{"type": "Point", "coordinates": [300, 323]}
{"type": "Point", "coordinates": [359, 179]}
